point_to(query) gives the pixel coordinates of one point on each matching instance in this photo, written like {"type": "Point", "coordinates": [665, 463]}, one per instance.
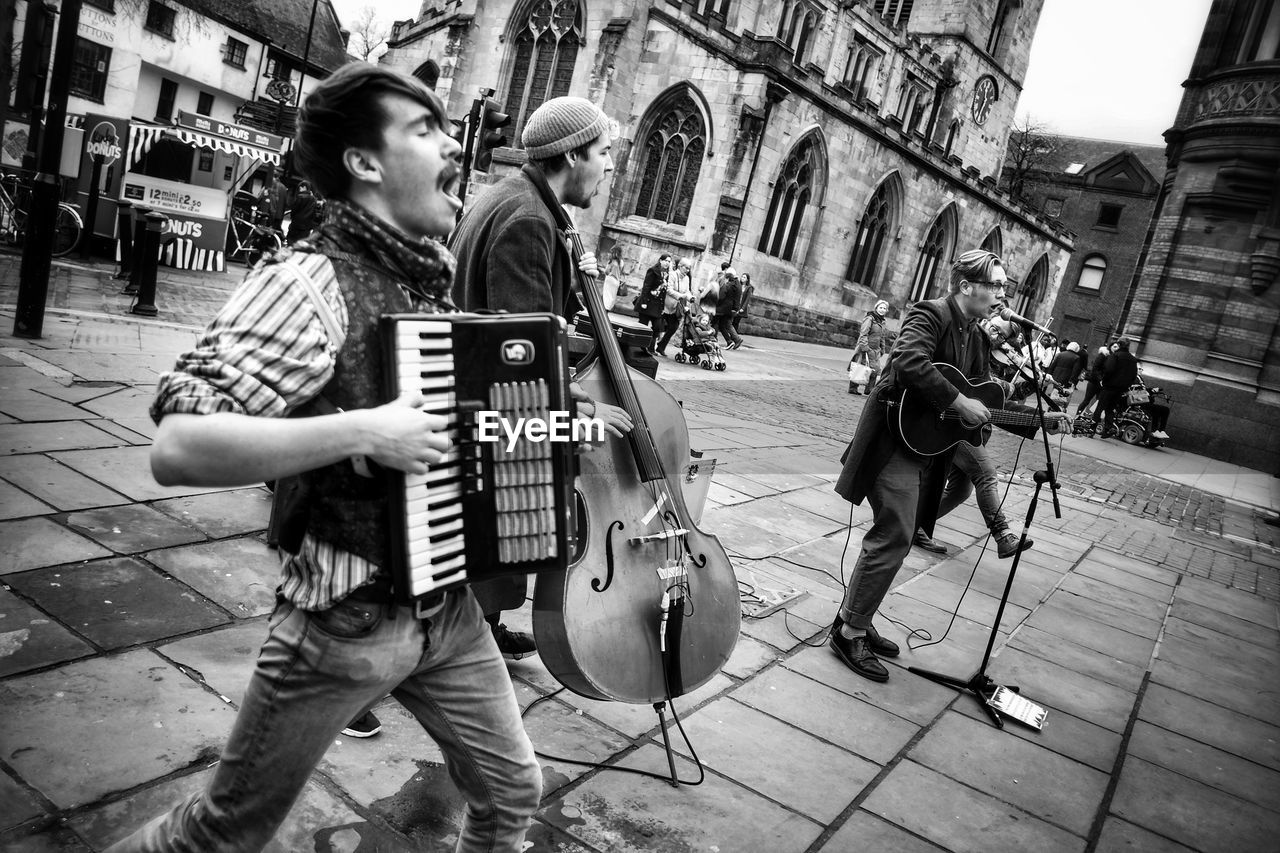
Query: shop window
{"type": "Point", "coordinates": [206, 160]}
{"type": "Point", "coordinates": [89, 66]}
{"type": "Point", "coordinates": [234, 51]}
{"type": "Point", "coordinates": [1092, 273]}
{"type": "Point", "coordinates": [546, 38]}
{"type": "Point", "coordinates": [1109, 216]}
{"type": "Point", "coordinates": [168, 97]}
{"type": "Point", "coordinates": [168, 159]}
{"type": "Point", "coordinates": [1053, 207]}
{"type": "Point", "coordinates": [673, 150]}
{"type": "Point", "coordinates": [160, 19]}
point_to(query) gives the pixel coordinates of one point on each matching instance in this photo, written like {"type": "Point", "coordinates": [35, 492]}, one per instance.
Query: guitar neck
{"type": "Point", "coordinates": [1002, 416]}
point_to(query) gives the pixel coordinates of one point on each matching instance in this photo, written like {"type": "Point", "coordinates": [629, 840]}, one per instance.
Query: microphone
{"type": "Point", "coordinates": [1007, 315]}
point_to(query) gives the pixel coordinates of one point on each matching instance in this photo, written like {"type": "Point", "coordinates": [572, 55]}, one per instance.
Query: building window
{"type": "Point", "coordinates": [792, 193]}
{"type": "Point", "coordinates": [1259, 38]}
{"type": "Point", "coordinates": [895, 12]}
{"type": "Point", "coordinates": [429, 73]}
{"type": "Point", "coordinates": [860, 70]}
{"type": "Point", "coordinates": [1002, 26]}
{"type": "Point", "coordinates": [1053, 207]}
{"type": "Point", "coordinates": [168, 97]}
{"type": "Point", "coordinates": [952, 131]}
{"type": "Point", "coordinates": [935, 254]}
{"type": "Point", "coordinates": [707, 8]}
{"type": "Point", "coordinates": [276, 69]}
{"type": "Point", "coordinates": [204, 104]}
{"type": "Point", "coordinates": [873, 231]}
{"type": "Point", "coordinates": [795, 28]}
{"type": "Point", "coordinates": [1091, 274]}
{"type": "Point", "coordinates": [547, 38]}
{"type": "Point", "coordinates": [1108, 215]}
{"type": "Point", "coordinates": [206, 160]}
{"type": "Point", "coordinates": [160, 19]}
{"type": "Point", "coordinates": [233, 53]}
{"type": "Point", "coordinates": [912, 108]}
{"type": "Point", "coordinates": [994, 243]}
{"type": "Point", "coordinates": [89, 66]}
{"type": "Point", "coordinates": [1031, 291]}
{"type": "Point", "coordinates": [105, 5]}
{"type": "Point", "coordinates": [673, 151]}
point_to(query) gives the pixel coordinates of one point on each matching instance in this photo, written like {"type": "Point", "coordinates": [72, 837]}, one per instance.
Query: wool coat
{"type": "Point", "coordinates": [651, 302]}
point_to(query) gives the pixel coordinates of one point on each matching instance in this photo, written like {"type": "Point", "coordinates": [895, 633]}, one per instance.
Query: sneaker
{"type": "Point", "coordinates": [514, 644]}
{"type": "Point", "coordinates": [365, 725]}
{"type": "Point", "coordinates": [1007, 545]}
{"type": "Point", "coordinates": [922, 540]}
{"type": "Point", "coordinates": [857, 655]}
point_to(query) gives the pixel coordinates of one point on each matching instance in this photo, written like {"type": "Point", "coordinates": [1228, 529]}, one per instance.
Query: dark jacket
{"type": "Point", "coordinates": [873, 337]}
{"type": "Point", "coordinates": [304, 216]}
{"type": "Point", "coordinates": [1065, 367]}
{"type": "Point", "coordinates": [511, 257]}
{"type": "Point", "coordinates": [729, 297]}
{"type": "Point", "coordinates": [1119, 371]}
{"type": "Point", "coordinates": [934, 330]}
{"type": "Point", "coordinates": [1095, 369]}
{"type": "Point", "coordinates": [650, 302]}
{"type": "Point", "coordinates": [745, 301]}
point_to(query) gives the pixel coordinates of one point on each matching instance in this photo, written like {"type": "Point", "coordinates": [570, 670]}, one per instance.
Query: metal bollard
{"type": "Point", "coordinates": [124, 225]}
{"type": "Point", "coordinates": [135, 267]}
{"type": "Point", "coordinates": [146, 304]}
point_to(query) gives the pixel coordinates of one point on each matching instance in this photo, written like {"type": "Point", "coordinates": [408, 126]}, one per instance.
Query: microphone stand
{"type": "Point", "coordinates": [980, 685]}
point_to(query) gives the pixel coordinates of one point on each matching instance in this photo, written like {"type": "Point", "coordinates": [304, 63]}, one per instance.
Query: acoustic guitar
{"type": "Point", "coordinates": [928, 432]}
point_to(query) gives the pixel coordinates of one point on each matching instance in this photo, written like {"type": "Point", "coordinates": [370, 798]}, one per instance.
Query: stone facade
{"type": "Point", "coordinates": [1206, 306]}
{"type": "Point", "coordinates": [1104, 192]}
{"type": "Point", "coordinates": [781, 99]}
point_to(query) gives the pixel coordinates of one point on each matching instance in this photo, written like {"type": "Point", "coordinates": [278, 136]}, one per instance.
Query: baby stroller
{"type": "Point", "coordinates": [698, 344]}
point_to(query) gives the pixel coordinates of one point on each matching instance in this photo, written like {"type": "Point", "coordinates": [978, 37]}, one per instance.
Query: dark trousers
{"type": "Point", "coordinates": [737, 322]}
{"type": "Point", "coordinates": [655, 323]}
{"type": "Point", "coordinates": [1091, 390]}
{"type": "Point", "coordinates": [672, 322]}
{"type": "Point", "coordinates": [1110, 401]}
{"type": "Point", "coordinates": [724, 325]}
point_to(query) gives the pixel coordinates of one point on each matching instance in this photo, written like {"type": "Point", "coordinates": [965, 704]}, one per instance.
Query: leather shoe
{"type": "Point", "coordinates": [882, 646]}
{"type": "Point", "coordinates": [857, 655]}
{"type": "Point", "coordinates": [922, 540]}
{"type": "Point", "coordinates": [1007, 545]}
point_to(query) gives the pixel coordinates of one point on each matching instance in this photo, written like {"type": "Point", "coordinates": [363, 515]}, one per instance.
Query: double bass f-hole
{"type": "Point", "coordinates": [608, 559]}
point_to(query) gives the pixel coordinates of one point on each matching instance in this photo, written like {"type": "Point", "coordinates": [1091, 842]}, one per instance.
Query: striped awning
{"type": "Point", "coordinates": [142, 137]}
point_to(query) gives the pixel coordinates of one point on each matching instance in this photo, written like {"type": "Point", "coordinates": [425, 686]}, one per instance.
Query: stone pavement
{"type": "Point", "coordinates": [1144, 620]}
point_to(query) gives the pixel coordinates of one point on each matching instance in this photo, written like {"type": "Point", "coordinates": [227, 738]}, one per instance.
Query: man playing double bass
{"type": "Point", "coordinates": [512, 257]}
{"type": "Point", "coordinates": [904, 488]}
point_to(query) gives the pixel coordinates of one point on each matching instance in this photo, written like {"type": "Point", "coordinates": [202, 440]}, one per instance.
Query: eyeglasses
{"type": "Point", "coordinates": [991, 285]}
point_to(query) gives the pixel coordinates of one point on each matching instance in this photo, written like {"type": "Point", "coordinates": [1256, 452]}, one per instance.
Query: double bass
{"type": "Point", "coordinates": [648, 608]}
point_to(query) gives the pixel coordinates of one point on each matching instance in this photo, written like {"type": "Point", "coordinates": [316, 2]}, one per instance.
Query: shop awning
{"type": "Point", "coordinates": [142, 137]}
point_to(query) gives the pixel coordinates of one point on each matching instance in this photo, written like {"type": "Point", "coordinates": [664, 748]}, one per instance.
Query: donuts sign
{"type": "Point", "coordinates": [104, 143]}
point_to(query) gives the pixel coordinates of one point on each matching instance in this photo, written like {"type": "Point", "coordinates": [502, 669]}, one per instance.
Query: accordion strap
{"type": "Point", "coordinates": [330, 320]}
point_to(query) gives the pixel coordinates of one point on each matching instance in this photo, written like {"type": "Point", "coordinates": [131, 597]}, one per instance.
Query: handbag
{"type": "Point", "coordinates": [1137, 396]}
{"type": "Point", "coordinates": [859, 373]}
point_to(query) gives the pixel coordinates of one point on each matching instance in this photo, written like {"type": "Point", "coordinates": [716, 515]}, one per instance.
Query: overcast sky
{"type": "Point", "coordinates": [1110, 69]}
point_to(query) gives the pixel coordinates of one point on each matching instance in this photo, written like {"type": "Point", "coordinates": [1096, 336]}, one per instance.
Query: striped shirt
{"type": "Point", "coordinates": [265, 354]}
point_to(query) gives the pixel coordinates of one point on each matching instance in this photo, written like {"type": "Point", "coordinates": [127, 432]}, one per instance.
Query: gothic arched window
{"type": "Point", "coordinates": [547, 39]}
{"type": "Point", "coordinates": [994, 243]}
{"type": "Point", "coordinates": [873, 230]}
{"type": "Point", "coordinates": [673, 151]}
{"type": "Point", "coordinates": [1031, 291]}
{"type": "Point", "coordinates": [792, 193]}
{"type": "Point", "coordinates": [935, 254]}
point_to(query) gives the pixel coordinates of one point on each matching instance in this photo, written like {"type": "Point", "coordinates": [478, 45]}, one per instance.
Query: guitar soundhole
{"type": "Point", "coordinates": [578, 537]}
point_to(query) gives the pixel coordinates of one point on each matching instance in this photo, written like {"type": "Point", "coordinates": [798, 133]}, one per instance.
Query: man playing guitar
{"type": "Point", "coordinates": [904, 486]}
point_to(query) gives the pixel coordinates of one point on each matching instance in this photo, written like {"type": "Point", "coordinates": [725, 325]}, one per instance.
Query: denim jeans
{"type": "Point", "coordinates": [894, 502]}
{"type": "Point", "coordinates": [315, 672]}
{"type": "Point", "coordinates": [972, 468]}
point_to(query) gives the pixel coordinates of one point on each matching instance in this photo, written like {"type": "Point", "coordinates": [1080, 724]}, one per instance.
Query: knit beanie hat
{"type": "Point", "coordinates": [561, 125]}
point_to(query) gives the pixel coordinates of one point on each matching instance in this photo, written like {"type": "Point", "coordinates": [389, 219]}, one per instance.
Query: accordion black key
{"type": "Point", "coordinates": [501, 501]}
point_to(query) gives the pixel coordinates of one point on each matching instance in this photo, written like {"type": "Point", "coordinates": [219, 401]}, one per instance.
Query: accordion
{"type": "Point", "coordinates": [499, 502]}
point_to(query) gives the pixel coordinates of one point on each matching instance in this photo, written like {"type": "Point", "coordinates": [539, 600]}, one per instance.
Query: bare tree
{"type": "Point", "coordinates": [368, 34]}
{"type": "Point", "coordinates": [1031, 144]}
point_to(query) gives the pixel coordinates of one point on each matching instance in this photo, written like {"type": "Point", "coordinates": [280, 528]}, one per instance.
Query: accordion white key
{"type": "Point", "coordinates": [484, 510]}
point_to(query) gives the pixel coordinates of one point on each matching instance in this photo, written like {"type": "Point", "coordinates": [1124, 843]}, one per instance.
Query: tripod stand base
{"type": "Point", "coordinates": [979, 686]}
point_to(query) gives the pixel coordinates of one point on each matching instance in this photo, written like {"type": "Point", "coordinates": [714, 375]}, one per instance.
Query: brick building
{"type": "Point", "coordinates": [839, 152]}
{"type": "Point", "coordinates": [1104, 192]}
{"type": "Point", "coordinates": [1206, 305]}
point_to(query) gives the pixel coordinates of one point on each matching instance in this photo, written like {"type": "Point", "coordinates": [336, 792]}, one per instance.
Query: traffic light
{"type": "Point", "coordinates": [489, 133]}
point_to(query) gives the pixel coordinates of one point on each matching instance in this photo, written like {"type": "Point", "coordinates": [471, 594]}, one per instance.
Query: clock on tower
{"type": "Point", "coordinates": [984, 95]}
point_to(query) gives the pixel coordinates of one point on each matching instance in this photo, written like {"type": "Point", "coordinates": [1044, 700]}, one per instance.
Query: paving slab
{"type": "Point", "coordinates": [1232, 601]}
{"type": "Point", "coordinates": [241, 575]}
{"type": "Point", "coordinates": [1019, 772]}
{"type": "Point", "coordinates": [781, 630]}
{"type": "Point", "coordinates": [635, 720]}
{"type": "Point", "coordinates": [905, 695]}
{"type": "Point", "coordinates": [865, 831]}
{"type": "Point", "coordinates": [29, 639]}
{"type": "Point", "coordinates": [222, 514]}
{"type": "Point", "coordinates": [1190, 812]}
{"type": "Point", "coordinates": [1223, 771]}
{"type": "Point", "coordinates": [1133, 565]}
{"type": "Point", "coordinates": [1140, 604]}
{"type": "Point", "coordinates": [46, 437]}
{"type": "Point", "coordinates": [828, 714]}
{"type": "Point", "coordinates": [1225, 623]}
{"type": "Point", "coordinates": [821, 500]}
{"type": "Point", "coordinates": [132, 528]}
{"type": "Point", "coordinates": [1031, 585]}
{"type": "Point", "coordinates": [620, 812]}
{"type": "Point", "coordinates": [81, 390]}
{"type": "Point", "coordinates": [1120, 836]}
{"type": "Point", "coordinates": [1102, 610]}
{"type": "Point", "coordinates": [1099, 665]}
{"type": "Point", "coordinates": [1223, 657]}
{"type": "Point", "coordinates": [32, 406]}
{"type": "Point", "coordinates": [56, 484]}
{"type": "Point", "coordinates": [221, 659]}
{"type": "Point", "coordinates": [1119, 642]}
{"type": "Point", "coordinates": [34, 542]}
{"type": "Point", "coordinates": [972, 605]}
{"type": "Point", "coordinates": [778, 514]}
{"type": "Point", "coordinates": [749, 657]}
{"type": "Point", "coordinates": [559, 731]}
{"type": "Point", "coordinates": [117, 602]}
{"type": "Point", "coordinates": [1215, 725]}
{"type": "Point", "coordinates": [129, 402]}
{"type": "Point", "coordinates": [739, 532]}
{"type": "Point", "coordinates": [1258, 698]}
{"type": "Point", "coordinates": [126, 435]}
{"type": "Point", "coordinates": [960, 818]}
{"type": "Point", "coordinates": [88, 729]}
{"type": "Point", "coordinates": [126, 470]}
{"type": "Point", "coordinates": [317, 821]}
{"type": "Point", "coordinates": [50, 839]}
{"type": "Point", "coordinates": [1063, 733]}
{"type": "Point", "coordinates": [15, 503]}
{"type": "Point", "coordinates": [1048, 683]}
{"type": "Point", "coordinates": [1157, 590]}
{"type": "Point", "coordinates": [17, 804]}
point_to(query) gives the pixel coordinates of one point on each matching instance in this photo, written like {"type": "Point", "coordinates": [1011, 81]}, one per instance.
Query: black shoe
{"type": "Point", "coordinates": [1007, 545]}
{"type": "Point", "coordinates": [882, 646]}
{"type": "Point", "coordinates": [922, 540]}
{"type": "Point", "coordinates": [857, 655]}
{"type": "Point", "coordinates": [514, 644]}
{"type": "Point", "coordinates": [365, 725]}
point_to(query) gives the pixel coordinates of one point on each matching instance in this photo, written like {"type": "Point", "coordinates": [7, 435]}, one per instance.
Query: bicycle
{"type": "Point", "coordinates": [251, 240]}
{"type": "Point", "coordinates": [15, 199]}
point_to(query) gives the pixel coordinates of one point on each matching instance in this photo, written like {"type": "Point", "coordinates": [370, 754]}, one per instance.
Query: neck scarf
{"type": "Point", "coordinates": [425, 265]}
